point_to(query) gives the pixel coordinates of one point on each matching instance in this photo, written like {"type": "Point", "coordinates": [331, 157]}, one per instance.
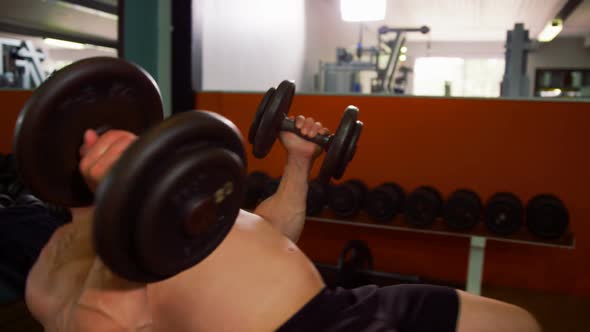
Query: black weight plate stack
{"type": "Point", "coordinates": [346, 199]}
{"type": "Point", "coordinates": [463, 210]}
{"type": "Point", "coordinates": [276, 107]}
{"type": "Point", "coordinates": [503, 214]}
{"type": "Point", "coordinates": [316, 198]}
{"type": "Point", "coordinates": [423, 206]}
{"type": "Point", "coordinates": [171, 198]}
{"type": "Point", "coordinates": [93, 93]}
{"type": "Point", "coordinates": [385, 202]}
{"type": "Point", "coordinates": [546, 217]}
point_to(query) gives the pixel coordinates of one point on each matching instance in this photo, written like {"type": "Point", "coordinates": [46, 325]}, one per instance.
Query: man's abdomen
{"type": "Point", "coordinates": [254, 281]}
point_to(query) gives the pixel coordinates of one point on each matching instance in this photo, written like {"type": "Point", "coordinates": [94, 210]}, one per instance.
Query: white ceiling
{"type": "Point", "coordinates": [449, 20]}
{"type": "Point", "coordinates": [579, 22]}
{"type": "Point", "coordinates": [481, 20]}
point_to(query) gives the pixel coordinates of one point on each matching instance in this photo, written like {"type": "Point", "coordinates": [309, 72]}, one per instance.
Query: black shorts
{"type": "Point", "coordinates": [398, 308]}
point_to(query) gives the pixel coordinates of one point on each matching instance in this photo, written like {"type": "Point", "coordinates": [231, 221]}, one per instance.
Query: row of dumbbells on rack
{"type": "Point", "coordinates": [503, 214]}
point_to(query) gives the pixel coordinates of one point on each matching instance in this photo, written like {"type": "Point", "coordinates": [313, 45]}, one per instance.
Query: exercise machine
{"type": "Point", "coordinates": [21, 64]}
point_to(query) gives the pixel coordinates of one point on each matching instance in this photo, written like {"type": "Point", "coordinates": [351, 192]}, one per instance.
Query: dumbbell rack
{"type": "Point", "coordinates": [478, 237]}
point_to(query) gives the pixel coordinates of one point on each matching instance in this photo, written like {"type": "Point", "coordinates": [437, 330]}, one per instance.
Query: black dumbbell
{"type": "Point", "coordinates": [503, 214]}
{"type": "Point", "coordinates": [255, 189]}
{"type": "Point", "coordinates": [271, 118]}
{"type": "Point", "coordinates": [122, 96]}
{"type": "Point", "coordinates": [173, 195]}
{"type": "Point", "coordinates": [354, 261]}
{"type": "Point", "coordinates": [423, 206]}
{"type": "Point", "coordinates": [546, 216]}
{"type": "Point", "coordinates": [462, 210]}
{"type": "Point", "coordinates": [385, 202]}
{"type": "Point", "coordinates": [348, 198]}
{"type": "Point", "coordinates": [316, 198]}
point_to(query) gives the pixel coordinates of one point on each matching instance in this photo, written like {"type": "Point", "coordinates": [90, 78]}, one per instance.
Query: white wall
{"type": "Point", "coordinates": [252, 45]}
{"type": "Point", "coordinates": [325, 31]}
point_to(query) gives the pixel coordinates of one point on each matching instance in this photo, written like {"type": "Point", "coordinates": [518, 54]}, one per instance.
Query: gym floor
{"type": "Point", "coordinates": [555, 312]}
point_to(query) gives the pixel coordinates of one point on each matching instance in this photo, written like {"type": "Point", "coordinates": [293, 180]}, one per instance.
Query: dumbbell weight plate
{"type": "Point", "coordinates": [423, 206]}
{"type": "Point", "coordinates": [462, 210]}
{"type": "Point", "coordinates": [270, 187]}
{"type": "Point", "coordinates": [385, 202]}
{"type": "Point", "coordinates": [350, 150]}
{"type": "Point", "coordinates": [340, 146]}
{"type": "Point", "coordinates": [503, 214]}
{"type": "Point", "coordinates": [171, 198]}
{"type": "Point", "coordinates": [273, 109]}
{"type": "Point", "coordinates": [255, 183]}
{"type": "Point", "coordinates": [546, 217]}
{"type": "Point", "coordinates": [316, 198]}
{"type": "Point", "coordinates": [347, 199]}
{"type": "Point", "coordinates": [92, 93]}
{"type": "Point", "coordinates": [258, 116]}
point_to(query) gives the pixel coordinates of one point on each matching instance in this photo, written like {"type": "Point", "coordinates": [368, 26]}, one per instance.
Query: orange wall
{"type": "Point", "coordinates": [525, 147]}
{"type": "Point", "coordinates": [11, 103]}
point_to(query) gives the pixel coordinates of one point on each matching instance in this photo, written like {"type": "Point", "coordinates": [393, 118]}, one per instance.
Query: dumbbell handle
{"type": "Point", "coordinates": [102, 130]}
{"type": "Point", "coordinates": [319, 139]}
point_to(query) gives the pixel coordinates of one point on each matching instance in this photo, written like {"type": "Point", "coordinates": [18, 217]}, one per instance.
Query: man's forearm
{"type": "Point", "coordinates": [285, 210]}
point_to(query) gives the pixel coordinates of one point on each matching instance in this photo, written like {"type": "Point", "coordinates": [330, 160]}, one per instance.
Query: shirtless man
{"type": "Point", "coordinates": [256, 280]}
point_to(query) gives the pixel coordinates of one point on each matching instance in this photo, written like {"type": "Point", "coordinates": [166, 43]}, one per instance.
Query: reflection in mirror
{"type": "Point", "coordinates": [27, 61]}
{"type": "Point", "coordinates": [432, 48]}
{"type": "Point", "coordinates": [39, 37]}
